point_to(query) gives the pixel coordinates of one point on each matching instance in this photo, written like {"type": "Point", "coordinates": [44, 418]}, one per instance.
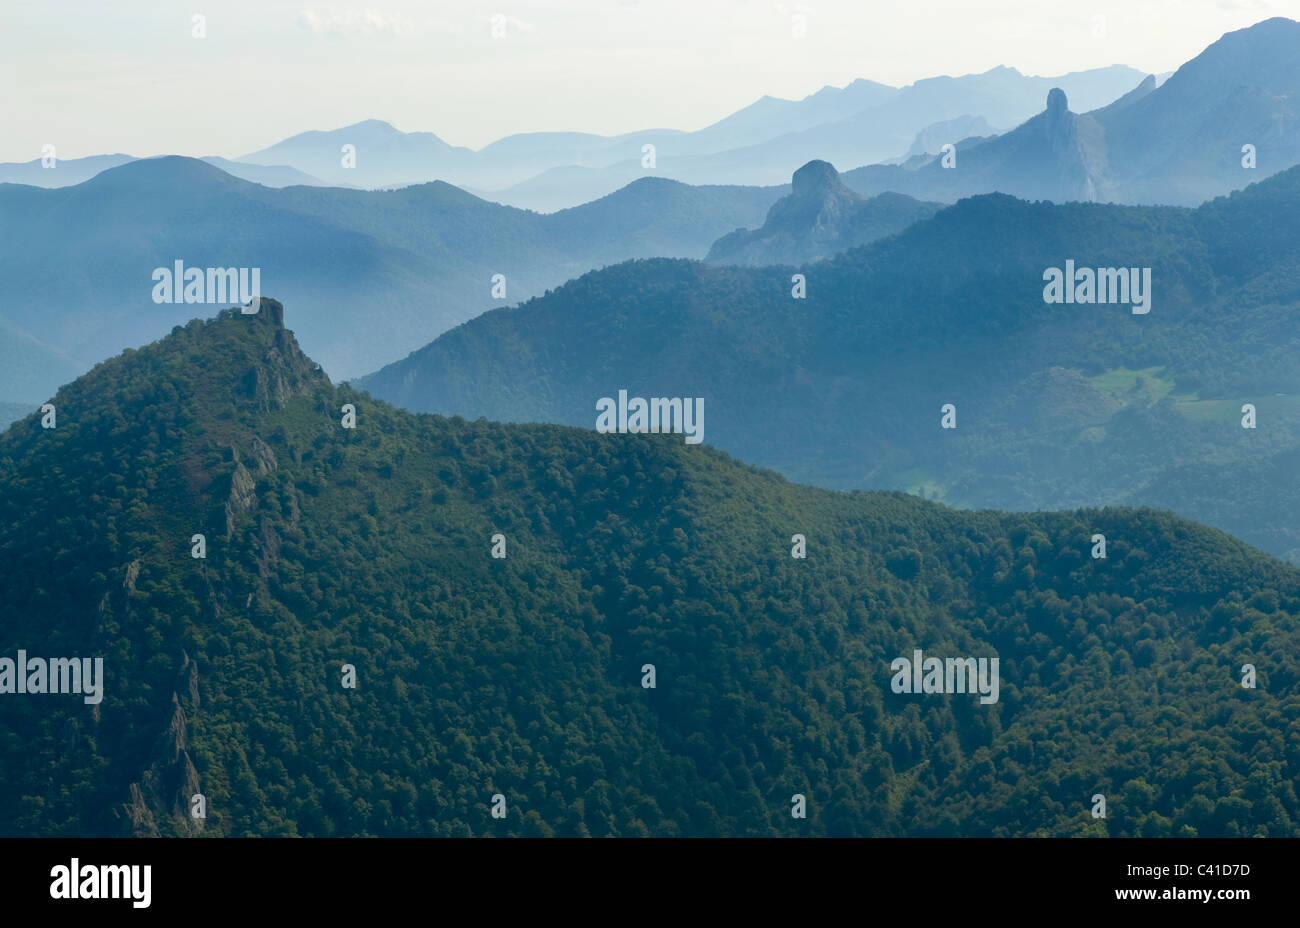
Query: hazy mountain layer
{"type": "Point", "coordinates": [1225, 119]}
{"type": "Point", "coordinates": [761, 144]}
{"type": "Point", "coordinates": [819, 218]}
{"type": "Point", "coordinates": [1057, 403]}
{"type": "Point", "coordinates": [73, 171]}
{"type": "Point", "coordinates": [377, 273]}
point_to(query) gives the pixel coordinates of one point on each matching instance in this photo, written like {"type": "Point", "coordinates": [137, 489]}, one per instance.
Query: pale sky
{"type": "Point", "coordinates": [128, 76]}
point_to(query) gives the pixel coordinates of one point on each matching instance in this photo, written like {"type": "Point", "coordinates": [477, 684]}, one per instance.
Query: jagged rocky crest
{"type": "Point", "coordinates": [283, 371]}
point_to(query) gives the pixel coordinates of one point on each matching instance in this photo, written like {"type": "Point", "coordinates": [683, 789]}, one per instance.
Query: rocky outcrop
{"type": "Point", "coordinates": [243, 496]}
{"type": "Point", "coordinates": [243, 481]}
{"type": "Point", "coordinates": [187, 682]}
{"type": "Point", "coordinates": [161, 800]}
{"type": "Point", "coordinates": [820, 218]}
{"type": "Point", "coordinates": [132, 573]}
{"type": "Point", "coordinates": [284, 371]}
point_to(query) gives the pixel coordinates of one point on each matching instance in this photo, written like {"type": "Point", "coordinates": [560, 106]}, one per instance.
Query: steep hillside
{"type": "Point", "coordinates": [364, 554]}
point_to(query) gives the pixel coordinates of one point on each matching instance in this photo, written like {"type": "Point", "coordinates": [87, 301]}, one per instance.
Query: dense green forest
{"type": "Point", "coordinates": [522, 676]}
{"type": "Point", "coordinates": [1058, 405]}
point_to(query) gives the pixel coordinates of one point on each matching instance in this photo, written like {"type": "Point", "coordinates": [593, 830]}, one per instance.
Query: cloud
{"type": "Point", "coordinates": [513, 24]}
{"type": "Point", "coordinates": [352, 22]}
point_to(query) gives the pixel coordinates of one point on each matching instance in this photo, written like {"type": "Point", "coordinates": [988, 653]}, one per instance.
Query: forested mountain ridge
{"type": "Point", "coordinates": [1057, 404]}
{"type": "Point", "coordinates": [522, 676]}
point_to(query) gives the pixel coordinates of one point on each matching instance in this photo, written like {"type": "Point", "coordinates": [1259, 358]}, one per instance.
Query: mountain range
{"type": "Point", "coordinates": [967, 504]}
{"type": "Point", "coordinates": [1133, 138]}
{"type": "Point", "coordinates": [74, 171]}
{"type": "Point", "coordinates": [383, 271]}
{"type": "Point", "coordinates": [1222, 120]}
{"type": "Point", "coordinates": [424, 258]}
{"type": "Point", "coordinates": [843, 380]}
{"type": "Point", "coordinates": [1226, 118]}
{"type": "Point", "coordinates": [305, 622]}
{"type": "Point", "coordinates": [759, 145]}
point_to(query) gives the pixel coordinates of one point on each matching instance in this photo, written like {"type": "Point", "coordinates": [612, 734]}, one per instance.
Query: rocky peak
{"type": "Point", "coordinates": [816, 179]}
{"type": "Point", "coordinates": [283, 371]}
{"type": "Point", "coordinates": [817, 198]}
{"type": "Point", "coordinates": [1056, 102]}
{"type": "Point", "coordinates": [1058, 120]}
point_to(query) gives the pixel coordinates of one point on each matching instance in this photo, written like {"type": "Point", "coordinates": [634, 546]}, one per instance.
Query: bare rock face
{"type": "Point", "coordinates": [243, 496]}
{"type": "Point", "coordinates": [243, 481]}
{"type": "Point", "coordinates": [1057, 104]}
{"type": "Point", "coordinates": [263, 457]}
{"type": "Point", "coordinates": [817, 179]}
{"type": "Point", "coordinates": [138, 817]}
{"type": "Point", "coordinates": [187, 682]}
{"type": "Point", "coordinates": [1059, 126]}
{"type": "Point", "coordinates": [168, 785]}
{"type": "Point", "coordinates": [284, 371]}
{"type": "Point", "coordinates": [1075, 178]}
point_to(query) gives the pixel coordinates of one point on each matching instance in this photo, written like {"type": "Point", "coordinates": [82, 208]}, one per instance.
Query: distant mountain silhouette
{"type": "Point", "coordinates": [383, 272]}
{"type": "Point", "coordinates": [273, 175]}
{"type": "Point", "coordinates": [761, 144]}
{"type": "Point", "coordinates": [79, 170]}
{"type": "Point", "coordinates": [861, 123]}
{"type": "Point", "coordinates": [1057, 405]}
{"type": "Point", "coordinates": [1181, 142]}
{"type": "Point", "coordinates": [931, 139]}
{"type": "Point", "coordinates": [63, 173]}
{"type": "Point", "coordinates": [385, 156]}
